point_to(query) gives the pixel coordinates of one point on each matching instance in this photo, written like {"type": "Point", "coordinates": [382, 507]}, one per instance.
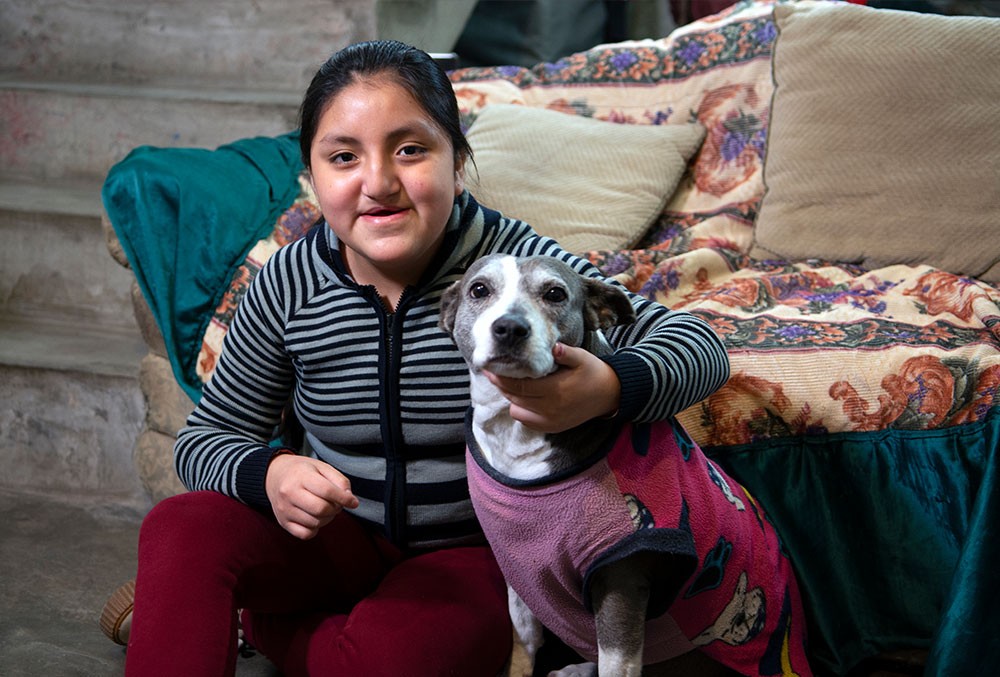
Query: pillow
{"type": "Point", "coordinates": [884, 140]}
{"type": "Point", "coordinates": [590, 185]}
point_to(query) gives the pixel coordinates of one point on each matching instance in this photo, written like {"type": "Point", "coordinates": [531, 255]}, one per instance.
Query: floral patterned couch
{"type": "Point", "coordinates": [862, 406]}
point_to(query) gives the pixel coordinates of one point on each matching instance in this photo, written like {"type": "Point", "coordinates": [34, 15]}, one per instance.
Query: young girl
{"type": "Point", "coordinates": [366, 558]}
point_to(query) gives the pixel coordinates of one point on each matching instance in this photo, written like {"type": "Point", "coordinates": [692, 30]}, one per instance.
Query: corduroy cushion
{"type": "Point", "coordinates": [884, 140]}
{"type": "Point", "coordinates": [589, 184]}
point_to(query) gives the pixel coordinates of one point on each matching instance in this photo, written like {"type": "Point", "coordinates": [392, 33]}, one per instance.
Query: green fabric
{"type": "Point", "coordinates": [187, 217]}
{"type": "Point", "coordinates": [894, 535]}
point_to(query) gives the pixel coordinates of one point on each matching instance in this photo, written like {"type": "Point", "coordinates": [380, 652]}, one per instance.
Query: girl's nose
{"type": "Point", "coordinates": [380, 178]}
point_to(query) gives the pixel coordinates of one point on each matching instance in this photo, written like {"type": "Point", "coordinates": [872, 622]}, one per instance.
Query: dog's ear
{"type": "Point", "coordinates": [606, 306]}
{"type": "Point", "coordinates": [449, 307]}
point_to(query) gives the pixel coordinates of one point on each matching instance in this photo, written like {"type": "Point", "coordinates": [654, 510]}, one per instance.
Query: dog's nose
{"type": "Point", "coordinates": [509, 330]}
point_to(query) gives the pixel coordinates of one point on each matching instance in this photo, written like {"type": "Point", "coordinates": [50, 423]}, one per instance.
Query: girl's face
{"type": "Point", "coordinates": [386, 177]}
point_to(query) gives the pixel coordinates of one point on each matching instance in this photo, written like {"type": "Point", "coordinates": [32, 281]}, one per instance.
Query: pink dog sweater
{"type": "Point", "coordinates": [724, 584]}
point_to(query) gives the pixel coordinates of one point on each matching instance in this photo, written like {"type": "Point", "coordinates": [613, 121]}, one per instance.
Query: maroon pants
{"type": "Point", "coordinates": [342, 603]}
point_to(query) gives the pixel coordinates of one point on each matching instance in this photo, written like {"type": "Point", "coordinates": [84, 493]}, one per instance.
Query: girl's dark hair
{"type": "Point", "coordinates": [412, 68]}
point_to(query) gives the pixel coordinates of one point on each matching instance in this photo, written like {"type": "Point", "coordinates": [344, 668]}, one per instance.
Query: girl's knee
{"type": "Point", "coordinates": [191, 521]}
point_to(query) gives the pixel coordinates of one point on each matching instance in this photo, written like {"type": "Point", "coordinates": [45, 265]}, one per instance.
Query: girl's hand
{"type": "Point", "coordinates": [584, 388]}
{"type": "Point", "coordinates": [306, 494]}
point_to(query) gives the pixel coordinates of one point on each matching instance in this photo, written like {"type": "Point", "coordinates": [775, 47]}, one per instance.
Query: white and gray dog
{"type": "Point", "coordinates": [617, 577]}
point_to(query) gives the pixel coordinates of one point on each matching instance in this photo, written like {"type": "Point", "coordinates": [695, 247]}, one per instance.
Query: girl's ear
{"type": "Point", "coordinates": [459, 174]}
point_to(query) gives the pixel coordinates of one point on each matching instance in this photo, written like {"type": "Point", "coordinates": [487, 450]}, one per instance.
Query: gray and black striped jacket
{"type": "Point", "coordinates": [382, 395]}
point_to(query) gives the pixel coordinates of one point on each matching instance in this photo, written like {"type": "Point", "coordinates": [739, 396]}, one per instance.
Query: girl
{"type": "Point", "coordinates": [366, 558]}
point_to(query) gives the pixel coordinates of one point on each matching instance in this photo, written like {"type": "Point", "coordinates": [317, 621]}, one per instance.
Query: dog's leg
{"type": "Point", "coordinates": [620, 593]}
{"type": "Point", "coordinates": [528, 635]}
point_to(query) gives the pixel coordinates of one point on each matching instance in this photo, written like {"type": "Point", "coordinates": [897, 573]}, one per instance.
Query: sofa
{"type": "Point", "coordinates": [837, 222]}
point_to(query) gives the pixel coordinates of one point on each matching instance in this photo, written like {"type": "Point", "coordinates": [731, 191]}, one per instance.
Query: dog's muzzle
{"type": "Point", "coordinates": [509, 331]}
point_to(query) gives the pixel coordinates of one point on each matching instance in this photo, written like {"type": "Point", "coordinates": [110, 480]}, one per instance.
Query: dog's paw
{"type": "Point", "coordinates": [578, 670]}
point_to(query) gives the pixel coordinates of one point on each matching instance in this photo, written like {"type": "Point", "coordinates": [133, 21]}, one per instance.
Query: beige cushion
{"type": "Point", "coordinates": [884, 140]}
{"type": "Point", "coordinates": [590, 184]}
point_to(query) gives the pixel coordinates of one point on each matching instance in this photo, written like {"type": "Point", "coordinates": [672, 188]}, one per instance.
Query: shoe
{"type": "Point", "coordinates": [116, 617]}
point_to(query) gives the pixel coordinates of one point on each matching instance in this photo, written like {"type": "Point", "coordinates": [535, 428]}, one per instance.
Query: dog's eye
{"type": "Point", "coordinates": [555, 295]}
{"type": "Point", "coordinates": [479, 291]}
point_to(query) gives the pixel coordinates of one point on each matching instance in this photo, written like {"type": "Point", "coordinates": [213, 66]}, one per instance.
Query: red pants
{"type": "Point", "coordinates": [342, 603]}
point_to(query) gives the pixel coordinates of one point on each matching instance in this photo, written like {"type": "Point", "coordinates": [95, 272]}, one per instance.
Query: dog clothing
{"type": "Point", "coordinates": [722, 582]}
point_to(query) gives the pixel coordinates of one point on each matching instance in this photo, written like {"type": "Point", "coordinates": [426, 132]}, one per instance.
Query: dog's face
{"type": "Point", "coordinates": [506, 313]}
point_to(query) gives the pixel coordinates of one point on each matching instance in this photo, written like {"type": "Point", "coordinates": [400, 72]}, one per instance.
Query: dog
{"type": "Point", "coordinates": [624, 540]}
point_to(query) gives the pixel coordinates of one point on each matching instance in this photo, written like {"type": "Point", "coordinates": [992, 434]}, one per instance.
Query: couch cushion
{"type": "Point", "coordinates": [591, 185]}
{"type": "Point", "coordinates": [884, 145]}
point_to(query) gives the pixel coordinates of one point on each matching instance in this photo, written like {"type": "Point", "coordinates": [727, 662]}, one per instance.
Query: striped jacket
{"type": "Point", "coordinates": [382, 395]}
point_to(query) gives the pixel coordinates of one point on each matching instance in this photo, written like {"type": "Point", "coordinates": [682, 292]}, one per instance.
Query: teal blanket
{"type": "Point", "coordinates": [186, 218]}
{"type": "Point", "coordinates": [893, 534]}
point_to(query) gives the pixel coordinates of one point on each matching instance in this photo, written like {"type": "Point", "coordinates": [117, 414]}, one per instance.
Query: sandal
{"type": "Point", "coordinates": [116, 617]}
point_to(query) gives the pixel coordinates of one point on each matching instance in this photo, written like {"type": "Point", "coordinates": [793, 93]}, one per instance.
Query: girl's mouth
{"type": "Point", "coordinates": [383, 212]}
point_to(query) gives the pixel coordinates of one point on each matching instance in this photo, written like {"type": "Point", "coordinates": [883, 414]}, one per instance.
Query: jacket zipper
{"type": "Point", "coordinates": [392, 435]}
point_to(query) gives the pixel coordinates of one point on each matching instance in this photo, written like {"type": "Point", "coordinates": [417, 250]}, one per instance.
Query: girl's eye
{"type": "Point", "coordinates": [342, 158]}
{"type": "Point", "coordinates": [555, 295]}
{"type": "Point", "coordinates": [411, 151]}
{"type": "Point", "coordinates": [479, 291]}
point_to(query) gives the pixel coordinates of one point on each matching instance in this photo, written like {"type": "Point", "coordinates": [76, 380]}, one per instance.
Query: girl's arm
{"type": "Point", "coordinates": [224, 447]}
{"type": "Point", "coordinates": [664, 362]}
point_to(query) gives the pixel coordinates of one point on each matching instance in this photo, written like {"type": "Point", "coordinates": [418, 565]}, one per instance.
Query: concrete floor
{"type": "Point", "coordinates": [59, 561]}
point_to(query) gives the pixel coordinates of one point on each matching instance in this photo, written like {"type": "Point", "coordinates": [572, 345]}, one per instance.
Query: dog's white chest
{"type": "Point", "coordinates": [509, 447]}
